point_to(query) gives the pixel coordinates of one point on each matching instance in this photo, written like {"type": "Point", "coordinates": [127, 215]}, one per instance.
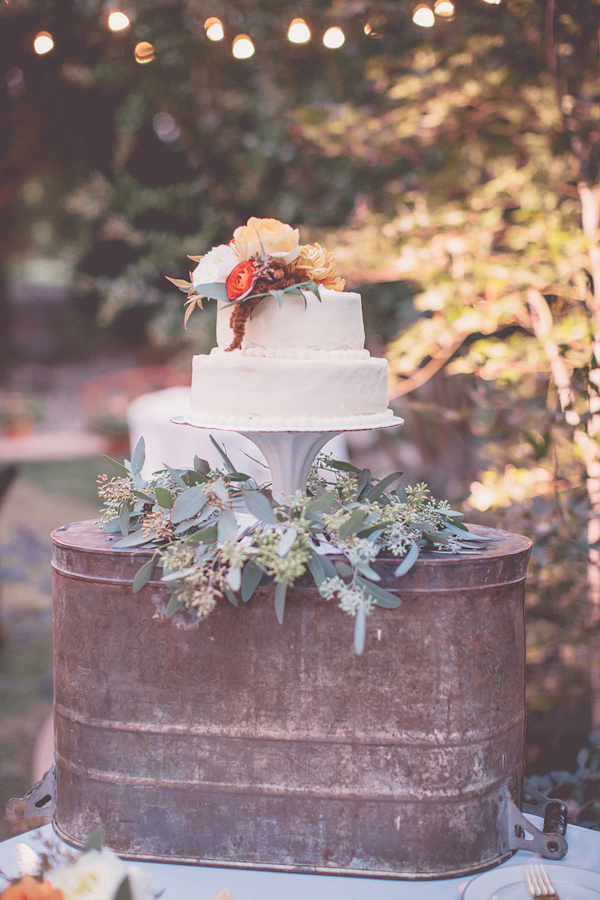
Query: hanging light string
{"type": "Point", "coordinates": [299, 32]}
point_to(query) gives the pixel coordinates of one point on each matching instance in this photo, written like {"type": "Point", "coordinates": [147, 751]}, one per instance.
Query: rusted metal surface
{"type": "Point", "coordinates": [241, 742]}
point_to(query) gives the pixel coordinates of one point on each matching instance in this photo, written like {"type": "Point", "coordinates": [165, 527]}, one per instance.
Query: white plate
{"type": "Point", "coordinates": [510, 883]}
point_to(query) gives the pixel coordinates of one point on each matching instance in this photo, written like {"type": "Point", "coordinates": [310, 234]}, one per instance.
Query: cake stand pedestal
{"type": "Point", "coordinates": [289, 454]}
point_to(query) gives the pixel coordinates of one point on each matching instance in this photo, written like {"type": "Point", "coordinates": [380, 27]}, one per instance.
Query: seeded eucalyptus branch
{"type": "Point", "coordinates": [217, 533]}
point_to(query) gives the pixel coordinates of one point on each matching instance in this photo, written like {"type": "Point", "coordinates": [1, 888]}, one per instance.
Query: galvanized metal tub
{"type": "Point", "coordinates": [238, 741]}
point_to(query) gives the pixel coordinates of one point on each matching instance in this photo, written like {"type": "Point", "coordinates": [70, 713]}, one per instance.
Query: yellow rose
{"type": "Point", "coordinates": [317, 264]}
{"type": "Point", "coordinates": [278, 240]}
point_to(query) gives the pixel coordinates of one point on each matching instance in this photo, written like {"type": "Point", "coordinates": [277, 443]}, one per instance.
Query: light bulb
{"type": "Point", "coordinates": [444, 9]}
{"type": "Point", "coordinates": [298, 32]}
{"type": "Point", "coordinates": [144, 52]}
{"type": "Point", "coordinates": [214, 29]}
{"type": "Point", "coordinates": [334, 38]}
{"type": "Point", "coordinates": [423, 16]}
{"type": "Point", "coordinates": [43, 43]}
{"type": "Point", "coordinates": [242, 47]}
{"type": "Point", "coordinates": [117, 20]}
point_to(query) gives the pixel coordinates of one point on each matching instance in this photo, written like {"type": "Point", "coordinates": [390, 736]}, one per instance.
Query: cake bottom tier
{"type": "Point", "coordinates": [246, 391]}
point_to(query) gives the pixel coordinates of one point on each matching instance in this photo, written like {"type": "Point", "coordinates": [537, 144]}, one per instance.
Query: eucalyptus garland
{"type": "Point", "coordinates": [218, 533]}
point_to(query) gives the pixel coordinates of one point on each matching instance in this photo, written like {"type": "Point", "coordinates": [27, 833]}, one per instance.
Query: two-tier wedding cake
{"type": "Point", "coordinates": [290, 341]}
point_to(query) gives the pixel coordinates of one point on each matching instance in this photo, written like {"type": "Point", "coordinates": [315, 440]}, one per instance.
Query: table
{"type": "Point", "coordinates": [205, 883]}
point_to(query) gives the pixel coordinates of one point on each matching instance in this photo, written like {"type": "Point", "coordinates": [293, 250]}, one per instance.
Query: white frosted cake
{"type": "Point", "coordinates": [290, 357]}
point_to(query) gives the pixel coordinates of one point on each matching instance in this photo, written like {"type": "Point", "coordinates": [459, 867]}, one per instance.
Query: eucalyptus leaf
{"type": "Point", "coordinates": [366, 570]}
{"type": "Point", "coordinates": [408, 562]}
{"type": "Point", "coordinates": [364, 482]}
{"type": "Point", "coordinates": [164, 498]}
{"type": "Point", "coordinates": [112, 527]}
{"type": "Point", "coordinates": [124, 519]}
{"type": "Point", "coordinates": [436, 537]}
{"type": "Point", "coordinates": [94, 840]}
{"type": "Point", "coordinates": [322, 503]}
{"type": "Point", "coordinates": [173, 606]}
{"type": "Point", "coordinates": [215, 290]}
{"type": "Point", "coordinates": [251, 578]}
{"type": "Point", "coordinates": [287, 542]}
{"type": "Point", "coordinates": [184, 526]}
{"type": "Point", "coordinates": [278, 295]}
{"type": "Point", "coordinates": [124, 892]}
{"type": "Point", "coordinates": [343, 466]}
{"type": "Point", "coordinates": [193, 478]}
{"type": "Point", "coordinates": [401, 493]}
{"type": "Point", "coordinates": [315, 567]}
{"type": "Point", "coordinates": [123, 470]}
{"type": "Point", "coordinates": [344, 569]}
{"type": "Point", "coordinates": [202, 466]}
{"type": "Point", "coordinates": [143, 576]}
{"type": "Point", "coordinates": [381, 486]}
{"type": "Point", "coordinates": [259, 506]}
{"type": "Point", "coordinates": [136, 539]}
{"type": "Point", "coordinates": [176, 475]}
{"type": "Point", "coordinates": [234, 578]}
{"type": "Point", "coordinates": [138, 457]}
{"type": "Point", "coordinates": [188, 504]}
{"type": "Point", "coordinates": [231, 596]}
{"type": "Point", "coordinates": [280, 591]}
{"type": "Point", "coordinates": [378, 594]}
{"type": "Point", "coordinates": [360, 626]}
{"type": "Point", "coordinates": [227, 527]}
{"type": "Point", "coordinates": [204, 536]}
{"type": "Point", "coordinates": [178, 574]}
{"type": "Point", "coordinates": [352, 525]}
{"type": "Point", "coordinates": [221, 451]}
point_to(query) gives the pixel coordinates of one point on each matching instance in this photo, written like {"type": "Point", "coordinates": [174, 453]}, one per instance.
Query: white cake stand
{"type": "Point", "coordinates": [289, 454]}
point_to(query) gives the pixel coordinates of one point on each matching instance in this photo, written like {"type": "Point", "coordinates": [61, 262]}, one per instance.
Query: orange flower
{"type": "Point", "coordinates": [29, 888]}
{"type": "Point", "coordinates": [241, 280]}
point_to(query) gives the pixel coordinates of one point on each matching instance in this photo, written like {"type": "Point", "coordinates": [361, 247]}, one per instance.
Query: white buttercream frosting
{"type": "Point", "coordinates": [302, 366]}
{"type": "Point", "coordinates": [332, 323]}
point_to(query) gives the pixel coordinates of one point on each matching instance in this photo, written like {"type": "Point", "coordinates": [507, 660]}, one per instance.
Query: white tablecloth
{"type": "Point", "coordinates": [205, 883]}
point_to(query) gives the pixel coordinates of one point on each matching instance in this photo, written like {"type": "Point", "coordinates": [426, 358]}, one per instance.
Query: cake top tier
{"type": "Point", "coordinates": [275, 293]}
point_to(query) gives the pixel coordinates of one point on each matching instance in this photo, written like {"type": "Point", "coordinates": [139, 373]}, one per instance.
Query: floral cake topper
{"type": "Point", "coordinates": [263, 258]}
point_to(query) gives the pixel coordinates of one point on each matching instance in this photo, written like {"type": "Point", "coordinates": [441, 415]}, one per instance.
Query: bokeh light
{"type": "Point", "coordinates": [334, 38]}
{"type": "Point", "coordinates": [43, 43]}
{"type": "Point", "coordinates": [444, 9]}
{"type": "Point", "coordinates": [298, 32]}
{"type": "Point", "coordinates": [144, 52]}
{"type": "Point", "coordinates": [423, 16]}
{"type": "Point", "coordinates": [214, 29]}
{"type": "Point", "coordinates": [165, 127]}
{"type": "Point", "coordinates": [242, 47]}
{"type": "Point", "coordinates": [117, 20]}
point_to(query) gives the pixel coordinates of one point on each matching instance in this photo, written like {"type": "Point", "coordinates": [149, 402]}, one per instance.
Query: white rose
{"type": "Point", "coordinates": [208, 269]}
{"type": "Point", "coordinates": [96, 875]}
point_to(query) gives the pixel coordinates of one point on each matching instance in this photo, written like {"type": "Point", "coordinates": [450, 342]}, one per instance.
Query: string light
{"type": "Point", "coordinates": [444, 9]}
{"type": "Point", "coordinates": [371, 31]}
{"type": "Point", "coordinates": [298, 32]}
{"type": "Point", "coordinates": [242, 47]}
{"type": "Point", "coordinates": [118, 20]}
{"type": "Point", "coordinates": [43, 43]}
{"type": "Point", "coordinates": [144, 53]}
{"type": "Point", "coordinates": [334, 38]}
{"type": "Point", "coordinates": [214, 29]}
{"type": "Point", "coordinates": [423, 16]}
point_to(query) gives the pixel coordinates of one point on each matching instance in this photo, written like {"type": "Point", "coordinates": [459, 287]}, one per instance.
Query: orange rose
{"type": "Point", "coordinates": [29, 888]}
{"type": "Point", "coordinates": [240, 280]}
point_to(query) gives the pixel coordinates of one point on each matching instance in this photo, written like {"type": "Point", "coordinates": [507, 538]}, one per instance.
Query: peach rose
{"type": "Point", "coordinates": [240, 280]}
{"type": "Point", "coordinates": [29, 888]}
{"type": "Point", "coordinates": [278, 240]}
{"type": "Point", "coordinates": [317, 264]}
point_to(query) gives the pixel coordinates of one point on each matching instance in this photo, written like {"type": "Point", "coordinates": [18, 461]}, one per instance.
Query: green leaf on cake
{"type": "Point", "coordinates": [124, 892]}
{"type": "Point", "coordinates": [213, 291]}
